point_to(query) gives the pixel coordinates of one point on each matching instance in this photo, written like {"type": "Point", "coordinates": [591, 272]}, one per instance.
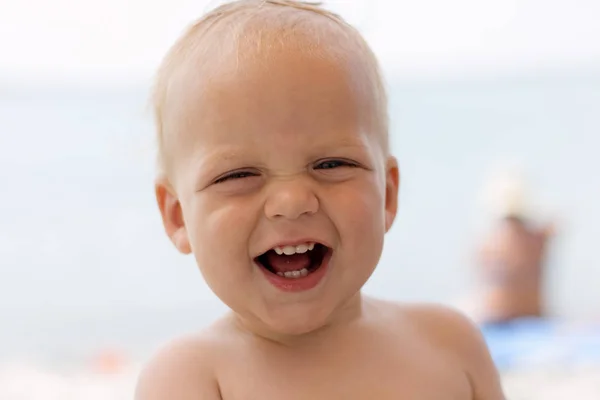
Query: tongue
{"type": "Point", "coordinates": [284, 263]}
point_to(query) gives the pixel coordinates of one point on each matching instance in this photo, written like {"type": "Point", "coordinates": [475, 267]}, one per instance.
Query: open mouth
{"type": "Point", "coordinates": [294, 262]}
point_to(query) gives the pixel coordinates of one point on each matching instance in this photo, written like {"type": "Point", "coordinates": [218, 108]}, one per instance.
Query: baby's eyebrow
{"type": "Point", "coordinates": [231, 153]}
{"type": "Point", "coordinates": [344, 144]}
{"type": "Point", "coordinates": [226, 154]}
{"type": "Point", "coordinates": [209, 162]}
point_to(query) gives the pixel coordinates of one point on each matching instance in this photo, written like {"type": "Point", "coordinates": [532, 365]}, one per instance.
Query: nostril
{"type": "Point", "coordinates": [291, 204]}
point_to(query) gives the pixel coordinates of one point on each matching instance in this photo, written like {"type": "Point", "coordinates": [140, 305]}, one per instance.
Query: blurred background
{"type": "Point", "coordinates": [495, 108]}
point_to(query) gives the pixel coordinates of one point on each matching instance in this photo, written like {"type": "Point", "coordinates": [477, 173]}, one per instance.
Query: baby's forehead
{"type": "Point", "coordinates": [290, 92]}
{"type": "Point", "coordinates": [231, 41]}
{"type": "Point", "coordinates": [228, 53]}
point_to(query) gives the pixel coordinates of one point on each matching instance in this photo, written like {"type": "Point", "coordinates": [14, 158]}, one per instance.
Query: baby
{"type": "Point", "coordinates": [276, 175]}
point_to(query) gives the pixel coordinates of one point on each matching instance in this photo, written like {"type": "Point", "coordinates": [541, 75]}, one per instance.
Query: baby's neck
{"type": "Point", "coordinates": [351, 312]}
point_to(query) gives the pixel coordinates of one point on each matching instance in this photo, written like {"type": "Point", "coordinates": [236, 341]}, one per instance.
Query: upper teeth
{"type": "Point", "coordinates": [289, 250]}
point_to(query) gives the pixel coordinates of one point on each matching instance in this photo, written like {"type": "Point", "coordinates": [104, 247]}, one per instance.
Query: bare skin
{"type": "Point", "coordinates": [278, 148]}
{"type": "Point", "coordinates": [388, 352]}
{"type": "Point", "coordinates": [512, 261]}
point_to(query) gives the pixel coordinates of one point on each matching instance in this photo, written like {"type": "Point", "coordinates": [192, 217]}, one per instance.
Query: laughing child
{"type": "Point", "coordinates": [276, 175]}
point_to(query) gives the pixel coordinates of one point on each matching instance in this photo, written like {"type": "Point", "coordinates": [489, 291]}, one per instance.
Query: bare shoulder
{"type": "Point", "coordinates": [455, 335]}
{"type": "Point", "coordinates": [446, 327]}
{"type": "Point", "coordinates": [183, 369]}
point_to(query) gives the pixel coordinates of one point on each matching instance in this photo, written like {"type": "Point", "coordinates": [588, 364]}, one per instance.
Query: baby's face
{"type": "Point", "coordinates": [280, 157]}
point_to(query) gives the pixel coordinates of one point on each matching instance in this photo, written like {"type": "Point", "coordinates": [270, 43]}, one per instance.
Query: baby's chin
{"type": "Point", "coordinates": [286, 323]}
{"type": "Point", "coordinates": [304, 321]}
{"type": "Point", "coordinates": [296, 325]}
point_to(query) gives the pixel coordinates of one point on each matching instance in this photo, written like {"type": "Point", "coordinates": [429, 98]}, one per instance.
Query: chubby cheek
{"type": "Point", "coordinates": [359, 213]}
{"type": "Point", "coordinates": [219, 232]}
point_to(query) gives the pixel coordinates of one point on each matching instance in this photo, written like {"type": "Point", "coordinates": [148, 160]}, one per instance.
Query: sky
{"type": "Point", "coordinates": [114, 40]}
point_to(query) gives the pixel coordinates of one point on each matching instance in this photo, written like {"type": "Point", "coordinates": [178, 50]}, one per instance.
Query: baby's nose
{"type": "Point", "coordinates": [291, 199]}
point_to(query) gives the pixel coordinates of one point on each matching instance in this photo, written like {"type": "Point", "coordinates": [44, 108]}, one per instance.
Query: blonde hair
{"type": "Point", "coordinates": [237, 16]}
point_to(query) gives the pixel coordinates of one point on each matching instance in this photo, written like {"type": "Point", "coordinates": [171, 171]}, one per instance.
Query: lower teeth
{"type": "Point", "coordinates": [294, 274]}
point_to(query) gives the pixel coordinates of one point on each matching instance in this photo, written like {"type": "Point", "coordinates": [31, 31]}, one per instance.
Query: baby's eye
{"type": "Point", "coordinates": [331, 164]}
{"type": "Point", "coordinates": [235, 175]}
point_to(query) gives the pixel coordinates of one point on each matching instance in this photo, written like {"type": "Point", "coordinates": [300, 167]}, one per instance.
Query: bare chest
{"type": "Point", "coordinates": [376, 373]}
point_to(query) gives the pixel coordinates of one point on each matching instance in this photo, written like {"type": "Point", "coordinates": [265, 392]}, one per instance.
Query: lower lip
{"type": "Point", "coordinates": [299, 284]}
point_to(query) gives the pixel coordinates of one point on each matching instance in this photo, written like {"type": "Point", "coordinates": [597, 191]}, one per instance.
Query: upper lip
{"type": "Point", "coordinates": [293, 242]}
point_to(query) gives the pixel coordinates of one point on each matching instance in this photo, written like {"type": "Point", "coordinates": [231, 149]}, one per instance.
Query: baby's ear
{"type": "Point", "coordinates": [392, 184]}
{"type": "Point", "coordinates": [172, 216]}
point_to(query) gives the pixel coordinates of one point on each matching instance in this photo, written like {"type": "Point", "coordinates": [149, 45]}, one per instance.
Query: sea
{"type": "Point", "coordinates": [85, 265]}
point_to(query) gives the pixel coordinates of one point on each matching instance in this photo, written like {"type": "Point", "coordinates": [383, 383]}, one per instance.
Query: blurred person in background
{"type": "Point", "coordinates": [512, 257]}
